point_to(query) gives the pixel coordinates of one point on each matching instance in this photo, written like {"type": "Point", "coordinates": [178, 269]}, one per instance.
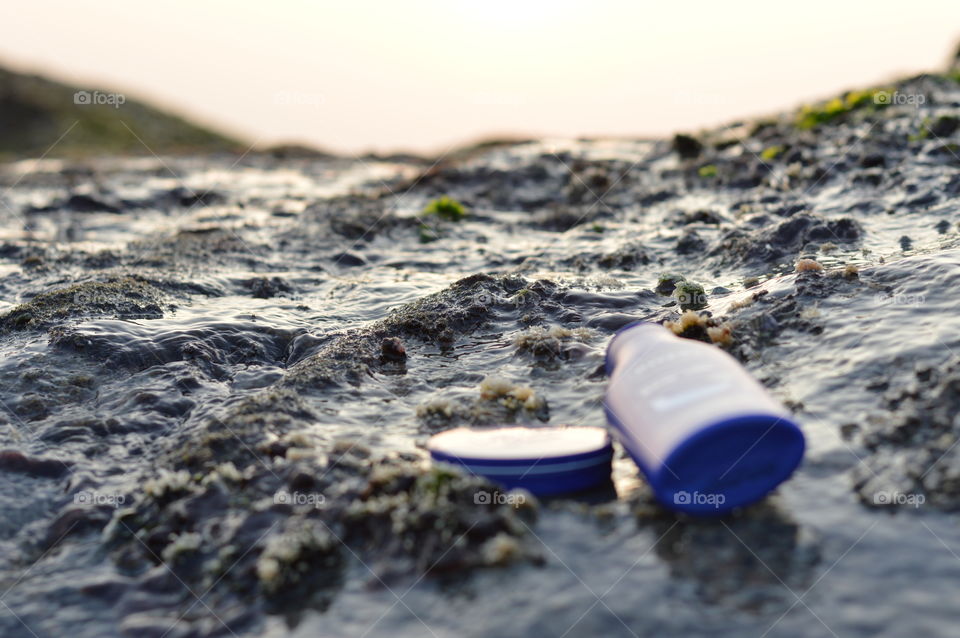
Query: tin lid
{"type": "Point", "coordinates": [548, 460]}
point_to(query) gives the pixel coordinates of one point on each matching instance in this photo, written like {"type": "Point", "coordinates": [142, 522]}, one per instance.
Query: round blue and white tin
{"type": "Point", "coordinates": [545, 461]}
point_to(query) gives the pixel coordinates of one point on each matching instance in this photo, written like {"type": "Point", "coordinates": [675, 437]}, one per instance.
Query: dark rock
{"type": "Point", "coordinates": [14, 461]}
{"type": "Point", "coordinates": [348, 259]}
{"type": "Point", "coordinates": [924, 201]}
{"type": "Point", "coordinates": [82, 203]}
{"type": "Point", "coordinates": [120, 298]}
{"type": "Point", "coordinates": [267, 288]}
{"type": "Point", "coordinates": [686, 146]}
{"type": "Point", "coordinates": [611, 322]}
{"type": "Point", "coordinates": [789, 210]}
{"type": "Point", "coordinates": [945, 126]}
{"type": "Point", "coordinates": [873, 160]}
{"type": "Point", "coordinates": [627, 257]}
{"type": "Point", "coordinates": [690, 243]}
{"type": "Point", "coordinates": [392, 349]}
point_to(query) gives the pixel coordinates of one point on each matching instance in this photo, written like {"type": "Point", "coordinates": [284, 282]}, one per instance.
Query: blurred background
{"type": "Point", "coordinates": [422, 75]}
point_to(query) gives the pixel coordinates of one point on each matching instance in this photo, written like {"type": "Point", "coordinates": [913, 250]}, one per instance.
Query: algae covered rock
{"type": "Point", "coordinates": [125, 298]}
{"type": "Point", "coordinates": [441, 318]}
{"type": "Point", "coordinates": [280, 531]}
{"type": "Point", "coordinates": [690, 295]}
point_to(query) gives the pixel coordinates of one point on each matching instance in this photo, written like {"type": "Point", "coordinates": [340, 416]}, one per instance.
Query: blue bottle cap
{"type": "Point", "coordinates": [545, 461]}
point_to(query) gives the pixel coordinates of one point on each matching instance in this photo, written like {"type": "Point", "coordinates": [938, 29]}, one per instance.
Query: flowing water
{"type": "Point", "coordinates": [217, 389]}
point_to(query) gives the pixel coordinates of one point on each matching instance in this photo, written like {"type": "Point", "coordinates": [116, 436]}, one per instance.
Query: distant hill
{"type": "Point", "coordinates": [35, 112]}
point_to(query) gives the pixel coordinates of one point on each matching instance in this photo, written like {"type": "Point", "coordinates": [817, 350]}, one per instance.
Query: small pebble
{"type": "Point", "coordinates": [392, 349]}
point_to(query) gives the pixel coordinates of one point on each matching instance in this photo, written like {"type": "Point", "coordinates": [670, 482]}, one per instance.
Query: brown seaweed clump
{"type": "Point", "coordinates": [808, 265]}
{"type": "Point", "coordinates": [550, 343]}
{"type": "Point", "coordinates": [701, 327]}
{"type": "Point", "coordinates": [851, 272]}
{"type": "Point", "coordinates": [513, 397]}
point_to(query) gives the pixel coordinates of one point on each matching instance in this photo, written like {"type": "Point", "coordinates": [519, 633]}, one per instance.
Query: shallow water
{"type": "Point", "coordinates": [266, 288]}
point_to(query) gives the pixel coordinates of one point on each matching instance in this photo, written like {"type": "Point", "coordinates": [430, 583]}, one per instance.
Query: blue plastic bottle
{"type": "Point", "coordinates": [706, 435]}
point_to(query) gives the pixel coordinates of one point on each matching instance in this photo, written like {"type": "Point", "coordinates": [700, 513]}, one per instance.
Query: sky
{"type": "Point", "coordinates": [425, 75]}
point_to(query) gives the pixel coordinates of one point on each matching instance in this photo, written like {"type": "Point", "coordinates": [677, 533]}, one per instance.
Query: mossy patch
{"type": "Point", "coordinates": [667, 282]}
{"type": "Point", "coordinates": [446, 208]}
{"type": "Point", "coordinates": [708, 171]}
{"type": "Point", "coordinates": [813, 115]}
{"type": "Point", "coordinates": [690, 295]}
{"type": "Point", "coordinates": [772, 152]}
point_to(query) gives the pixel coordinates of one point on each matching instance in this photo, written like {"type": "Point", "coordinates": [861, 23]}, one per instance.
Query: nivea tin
{"type": "Point", "coordinates": [545, 461]}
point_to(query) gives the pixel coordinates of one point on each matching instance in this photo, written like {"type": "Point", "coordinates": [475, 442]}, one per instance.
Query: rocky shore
{"type": "Point", "coordinates": [217, 376]}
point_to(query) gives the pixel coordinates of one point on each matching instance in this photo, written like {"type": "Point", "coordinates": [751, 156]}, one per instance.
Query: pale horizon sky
{"type": "Point", "coordinates": [425, 75]}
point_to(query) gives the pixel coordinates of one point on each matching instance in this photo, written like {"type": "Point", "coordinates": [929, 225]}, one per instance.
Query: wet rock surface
{"type": "Point", "coordinates": [217, 385]}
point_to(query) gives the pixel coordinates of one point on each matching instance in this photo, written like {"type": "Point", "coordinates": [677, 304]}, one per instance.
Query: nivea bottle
{"type": "Point", "coordinates": [706, 435]}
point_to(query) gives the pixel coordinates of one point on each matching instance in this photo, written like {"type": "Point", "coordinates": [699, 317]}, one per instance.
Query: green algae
{"type": "Point", "coordinates": [813, 115]}
{"type": "Point", "coordinates": [445, 208]}
{"type": "Point", "coordinates": [689, 295]}
{"type": "Point", "coordinates": [667, 282]}
{"type": "Point", "coordinates": [772, 152]}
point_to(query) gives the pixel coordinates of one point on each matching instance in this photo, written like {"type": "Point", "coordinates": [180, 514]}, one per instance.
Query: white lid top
{"type": "Point", "coordinates": [518, 442]}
